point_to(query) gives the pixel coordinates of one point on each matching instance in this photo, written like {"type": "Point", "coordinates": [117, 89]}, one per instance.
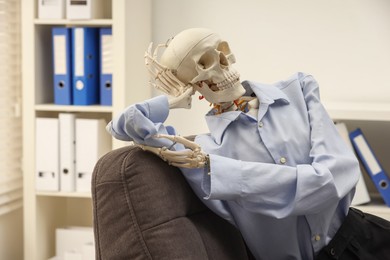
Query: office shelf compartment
{"type": "Point", "coordinates": [374, 120]}
{"type": "Point", "coordinates": [58, 212]}
{"type": "Point", "coordinates": [130, 21]}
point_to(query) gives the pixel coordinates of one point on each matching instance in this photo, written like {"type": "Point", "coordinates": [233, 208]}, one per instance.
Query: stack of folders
{"type": "Point", "coordinates": [74, 243]}
{"type": "Point", "coordinates": [82, 65]}
{"type": "Point", "coordinates": [67, 149]}
{"type": "Point", "coordinates": [371, 164]}
{"type": "Point", "coordinates": [71, 9]}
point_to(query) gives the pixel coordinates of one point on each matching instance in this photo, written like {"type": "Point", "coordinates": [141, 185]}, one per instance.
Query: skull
{"type": "Point", "coordinates": [199, 57]}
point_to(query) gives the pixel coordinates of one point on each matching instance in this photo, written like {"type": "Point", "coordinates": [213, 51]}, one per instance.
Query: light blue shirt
{"type": "Point", "coordinates": [285, 179]}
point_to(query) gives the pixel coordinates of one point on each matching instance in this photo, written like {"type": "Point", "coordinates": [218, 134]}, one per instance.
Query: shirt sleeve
{"type": "Point", "coordinates": [280, 190]}
{"type": "Point", "coordinates": [141, 121]}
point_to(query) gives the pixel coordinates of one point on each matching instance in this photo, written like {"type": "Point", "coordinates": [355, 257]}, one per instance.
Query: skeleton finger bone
{"type": "Point", "coordinates": [192, 157]}
{"type": "Point", "coordinates": [163, 77]}
{"type": "Point", "coordinates": [182, 140]}
{"type": "Point", "coordinates": [156, 150]}
{"type": "Point", "coordinates": [187, 165]}
{"type": "Point", "coordinates": [184, 158]}
{"type": "Point", "coordinates": [183, 154]}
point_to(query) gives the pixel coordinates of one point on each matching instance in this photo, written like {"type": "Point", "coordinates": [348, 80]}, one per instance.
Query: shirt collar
{"type": "Point", "coordinates": [267, 94]}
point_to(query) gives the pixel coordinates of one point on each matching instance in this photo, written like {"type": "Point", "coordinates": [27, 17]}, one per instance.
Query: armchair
{"type": "Point", "coordinates": [144, 209]}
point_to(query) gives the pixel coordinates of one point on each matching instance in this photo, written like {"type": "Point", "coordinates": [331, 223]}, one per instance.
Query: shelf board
{"type": "Point", "coordinates": [376, 207]}
{"type": "Point", "coordinates": [72, 108]}
{"type": "Point", "coordinates": [92, 22]}
{"type": "Point", "coordinates": [64, 194]}
{"type": "Point", "coordinates": [380, 210]}
{"type": "Point", "coordinates": [358, 111]}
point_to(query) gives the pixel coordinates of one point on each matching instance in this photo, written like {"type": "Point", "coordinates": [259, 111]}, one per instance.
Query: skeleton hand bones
{"type": "Point", "coordinates": [191, 157]}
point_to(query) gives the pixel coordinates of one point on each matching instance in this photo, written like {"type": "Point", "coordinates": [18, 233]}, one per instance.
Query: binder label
{"type": "Point", "coordinates": [107, 54]}
{"type": "Point", "coordinates": [79, 52]}
{"type": "Point", "coordinates": [50, 2]}
{"type": "Point", "coordinates": [60, 54]}
{"type": "Point", "coordinates": [367, 154]}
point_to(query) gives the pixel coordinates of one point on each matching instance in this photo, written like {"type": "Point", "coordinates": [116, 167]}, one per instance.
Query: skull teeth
{"type": "Point", "coordinates": [229, 82]}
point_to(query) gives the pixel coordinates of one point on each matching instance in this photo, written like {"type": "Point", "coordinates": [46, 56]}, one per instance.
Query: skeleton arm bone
{"type": "Point", "coordinates": [182, 101]}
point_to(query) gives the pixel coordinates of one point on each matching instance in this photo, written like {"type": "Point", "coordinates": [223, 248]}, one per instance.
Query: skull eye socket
{"type": "Point", "coordinates": [224, 48]}
{"type": "Point", "coordinates": [226, 55]}
{"type": "Point", "coordinates": [211, 58]}
{"type": "Point", "coordinates": [207, 60]}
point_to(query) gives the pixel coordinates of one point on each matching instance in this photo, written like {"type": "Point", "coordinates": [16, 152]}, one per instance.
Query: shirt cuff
{"type": "Point", "coordinates": [158, 109]}
{"type": "Point", "coordinates": [224, 182]}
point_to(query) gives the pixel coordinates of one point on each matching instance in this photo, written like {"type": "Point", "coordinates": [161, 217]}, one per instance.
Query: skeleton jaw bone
{"type": "Point", "coordinates": [219, 96]}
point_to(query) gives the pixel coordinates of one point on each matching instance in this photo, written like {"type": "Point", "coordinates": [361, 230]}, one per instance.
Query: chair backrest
{"type": "Point", "coordinates": [144, 209]}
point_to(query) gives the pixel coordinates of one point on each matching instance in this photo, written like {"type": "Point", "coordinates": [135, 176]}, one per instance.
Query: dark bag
{"type": "Point", "coordinates": [361, 236]}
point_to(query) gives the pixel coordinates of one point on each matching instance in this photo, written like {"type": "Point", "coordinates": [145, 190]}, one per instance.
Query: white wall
{"type": "Point", "coordinates": [344, 44]}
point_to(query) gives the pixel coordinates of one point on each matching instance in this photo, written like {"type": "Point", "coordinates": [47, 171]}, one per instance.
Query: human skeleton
{"type": "Point", "coordinates": [194, 60]}
{"type": "Point", "coordinates": [317, 165]}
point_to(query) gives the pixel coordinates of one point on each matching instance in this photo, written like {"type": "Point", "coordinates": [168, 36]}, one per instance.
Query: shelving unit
{"type": "Point", "coordinates": [374, 120]}
{"type": "Point", "coordinates": [131, 27]}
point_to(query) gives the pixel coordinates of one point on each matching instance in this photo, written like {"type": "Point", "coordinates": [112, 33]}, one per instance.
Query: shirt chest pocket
{"type": "Point", "coordinates": [286, 135]}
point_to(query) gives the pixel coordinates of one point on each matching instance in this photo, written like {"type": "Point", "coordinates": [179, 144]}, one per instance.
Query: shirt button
{"type": "Point", "coordinates": [317, 237]}
{"type": "Point", "coordinates": [283, 160]}
{"type": "Point", "coordinates": [261, 124]}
